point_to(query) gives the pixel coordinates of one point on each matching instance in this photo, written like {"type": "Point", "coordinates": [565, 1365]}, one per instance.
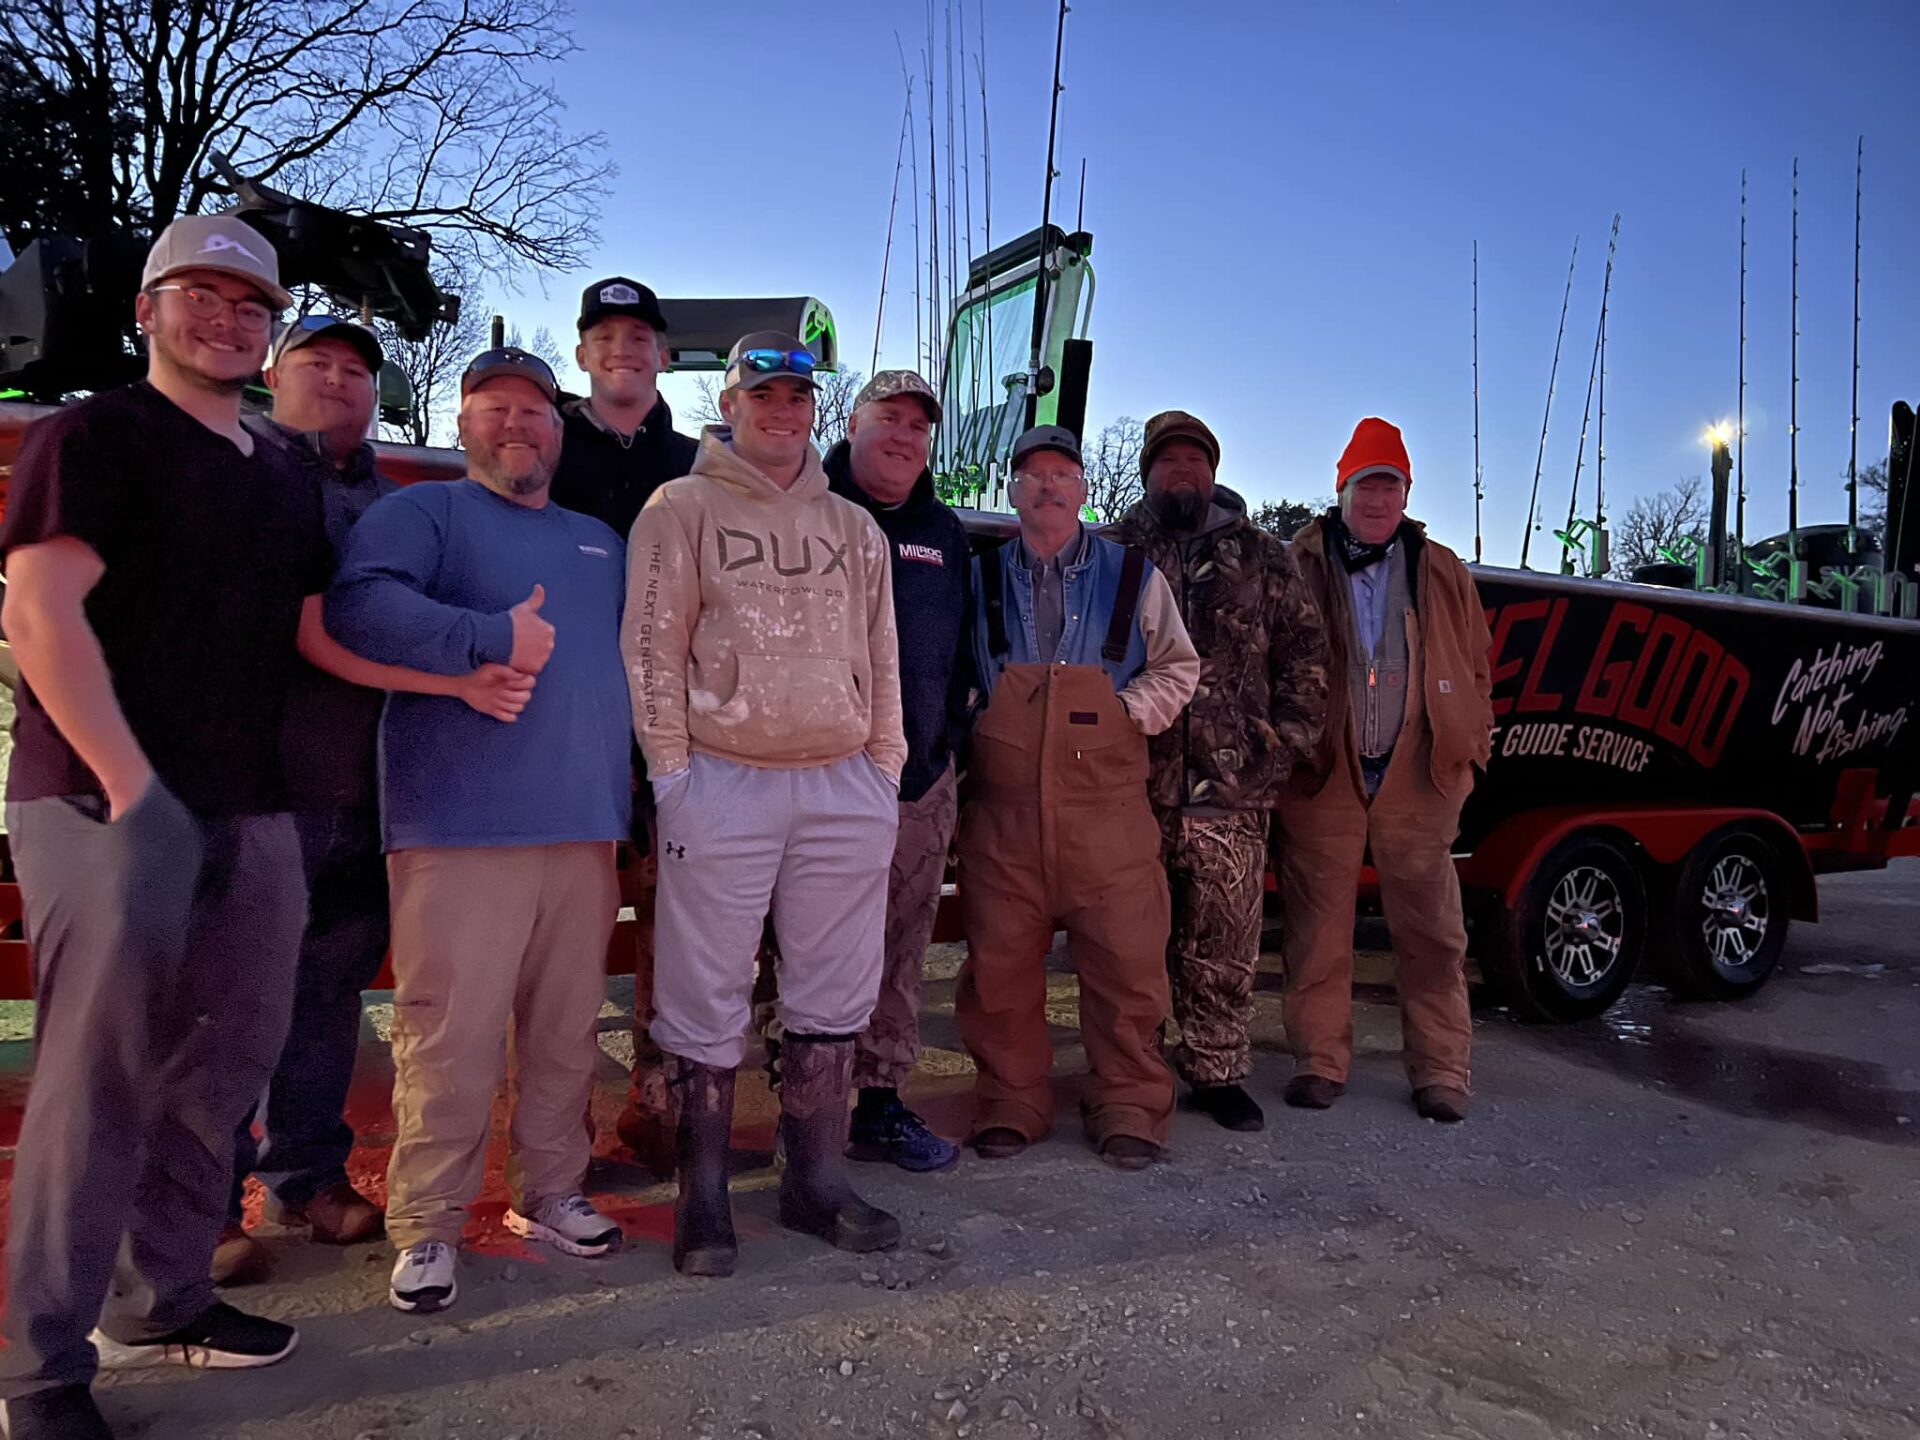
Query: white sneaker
{"type": "Point", "coordinates": [423, 1278]}
{"type": "Point", "coordinates": [569, 1224]}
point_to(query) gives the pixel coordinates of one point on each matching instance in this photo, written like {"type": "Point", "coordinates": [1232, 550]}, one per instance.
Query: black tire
{"type": "Point", "coordinates": [1571, 945]}
{"type": "Point", "coordinates": [1731, 907]}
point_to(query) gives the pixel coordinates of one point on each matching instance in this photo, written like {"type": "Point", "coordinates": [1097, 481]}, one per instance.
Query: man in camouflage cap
{"type": "Point", "coordinates": [1216, 777]}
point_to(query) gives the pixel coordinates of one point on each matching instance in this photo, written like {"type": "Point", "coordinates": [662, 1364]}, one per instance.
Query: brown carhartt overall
{"type": "Point", "coordinates": [1057, 832]}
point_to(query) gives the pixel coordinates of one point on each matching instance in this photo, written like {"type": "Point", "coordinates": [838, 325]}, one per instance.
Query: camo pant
{"type": "Point", "coordinates": [1216, 869]}
{"type": "Point", "coordinates": [886, 1052]}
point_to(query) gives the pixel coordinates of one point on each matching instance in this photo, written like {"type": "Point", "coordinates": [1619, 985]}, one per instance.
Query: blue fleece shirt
{"type": "Point", "coordinates": [427, 580]}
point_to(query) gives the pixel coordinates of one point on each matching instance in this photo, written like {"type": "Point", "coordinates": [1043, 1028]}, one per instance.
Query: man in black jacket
{"type": "Point", "coordinates": [882, 465]}
{"type": "Point", "coordinates": [619, 447]}
{"type": "Point", "coordinates": [620, 443]}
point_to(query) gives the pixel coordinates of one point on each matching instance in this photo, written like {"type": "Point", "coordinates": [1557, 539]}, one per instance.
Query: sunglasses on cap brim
{"type": "Point", "coordinates": [776, 362]}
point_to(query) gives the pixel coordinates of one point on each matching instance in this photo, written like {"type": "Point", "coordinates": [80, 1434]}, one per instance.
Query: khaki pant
{"type": "Point", "coordinates": [487, 941]}
{"type": "Point", "coordinates": [1410, 827]}
{"type": "Point", "coordinates": [1057, 831]}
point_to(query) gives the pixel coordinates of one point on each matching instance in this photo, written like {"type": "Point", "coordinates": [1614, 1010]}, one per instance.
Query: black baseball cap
{"type": "Point", "coordinates": [617, 295]}
{"type": "Point", "coordinates": [1048, 437]}
{"type": "Point", "coordinates": [308, 328]}
{"type": "Point", "coordinates": [509, 360]}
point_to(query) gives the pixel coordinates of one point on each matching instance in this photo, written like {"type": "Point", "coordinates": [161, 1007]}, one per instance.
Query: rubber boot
{"type": "Point", "coordinates": [647, 1126]}
{"type": "Point", "coordinates": [815, 1196]}
{"type": "Point", "coordinates": [703, 1242]}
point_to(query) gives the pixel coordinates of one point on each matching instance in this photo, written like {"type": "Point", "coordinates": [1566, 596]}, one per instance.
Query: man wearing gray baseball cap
{"type": "Point", "coordinates": [158, 555]}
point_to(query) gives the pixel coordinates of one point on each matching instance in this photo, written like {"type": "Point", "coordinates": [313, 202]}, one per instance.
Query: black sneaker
{"type": "Point", "coordinates": [221, 1338]}
{"type": "Point", "coordinates": [67, 1413]}
{"type": "Point", "coordinates": [895, 1135]}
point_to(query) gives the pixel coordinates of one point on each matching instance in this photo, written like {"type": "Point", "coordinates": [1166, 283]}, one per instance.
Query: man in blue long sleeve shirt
{"type": "Point", "coordinates": [500, 838]}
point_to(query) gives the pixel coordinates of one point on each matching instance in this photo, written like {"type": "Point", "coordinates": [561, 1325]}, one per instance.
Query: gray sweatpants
{"type": "Point", "coordinates": [163, 956]}
{"type": "Point", "coordinates": [810, 846]}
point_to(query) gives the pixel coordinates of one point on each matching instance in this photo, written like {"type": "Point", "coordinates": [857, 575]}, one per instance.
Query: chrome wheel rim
{"type": "Point", "coordinates": [1586, 927]}
{"type": "Point", "coordinates": [1736, 912]}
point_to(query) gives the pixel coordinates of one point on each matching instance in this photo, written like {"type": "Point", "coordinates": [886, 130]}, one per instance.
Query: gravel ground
{"type": "Point", "coordinates": [1676, 1221]}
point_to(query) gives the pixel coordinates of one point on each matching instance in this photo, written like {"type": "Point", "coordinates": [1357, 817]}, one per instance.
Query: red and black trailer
{"type": "Point", "coordinates": [1671, 772]}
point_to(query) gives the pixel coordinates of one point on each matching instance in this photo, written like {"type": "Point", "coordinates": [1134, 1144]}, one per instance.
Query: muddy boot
{"type": "Point", "coordinates": [647, 1126]}
{"type": "Point", "coordinates": [815, 1197]}
{"type": "Point", "coordinates": [703, 1242]}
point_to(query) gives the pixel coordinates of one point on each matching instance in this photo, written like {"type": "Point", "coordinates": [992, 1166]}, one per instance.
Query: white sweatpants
{"type": "Point", "coordinates": [812, 846]}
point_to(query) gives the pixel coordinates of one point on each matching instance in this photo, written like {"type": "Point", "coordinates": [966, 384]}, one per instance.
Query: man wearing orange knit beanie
{"type": "Point", "coordinates": [1409, 718]}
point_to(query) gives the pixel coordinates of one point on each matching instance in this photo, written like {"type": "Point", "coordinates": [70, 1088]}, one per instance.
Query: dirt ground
{"type": "Point", "coordinates": [1676, 1221]}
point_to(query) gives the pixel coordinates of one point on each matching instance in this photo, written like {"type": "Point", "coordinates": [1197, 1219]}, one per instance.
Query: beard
{"type": "Point", "coordinates": [1180, 509]}
{"type": "Point", "coordinates": [487, 467]}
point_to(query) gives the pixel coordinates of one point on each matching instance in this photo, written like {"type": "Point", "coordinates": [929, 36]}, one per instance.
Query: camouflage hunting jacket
{"type": "Point", "coordinates": [1262, 700]}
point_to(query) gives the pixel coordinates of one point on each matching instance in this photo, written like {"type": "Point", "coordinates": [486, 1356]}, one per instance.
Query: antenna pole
{"type": "Point", "coordinates": [1533, 501]}
{"type": "Point", "coordinates": [1034, 357]}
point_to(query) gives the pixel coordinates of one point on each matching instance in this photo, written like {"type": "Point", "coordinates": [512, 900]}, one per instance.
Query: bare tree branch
{"type": "Point", "coordinates": [1113, 468]}
{"type": "Point", "coordinates": [435, 113]}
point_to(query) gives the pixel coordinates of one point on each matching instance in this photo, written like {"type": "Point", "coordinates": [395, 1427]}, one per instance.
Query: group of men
{"type": "Point", "coordinates": [277, 715]}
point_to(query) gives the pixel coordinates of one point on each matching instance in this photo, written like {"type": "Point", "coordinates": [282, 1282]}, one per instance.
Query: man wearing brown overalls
{"type": "Point", "coordinates": [1081, 655]}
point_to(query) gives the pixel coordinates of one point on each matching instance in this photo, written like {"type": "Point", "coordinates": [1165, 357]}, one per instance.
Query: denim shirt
{"type": "Point", "coordinates": [1089, 585]}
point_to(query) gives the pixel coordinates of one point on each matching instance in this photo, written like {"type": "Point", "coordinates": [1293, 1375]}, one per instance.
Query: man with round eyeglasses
{"type": "Point", "coordinates": [158, 556]}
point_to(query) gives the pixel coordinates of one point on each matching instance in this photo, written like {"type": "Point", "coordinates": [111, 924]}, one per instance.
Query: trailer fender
{"type": "Point", "coordinates": [1665, 835]}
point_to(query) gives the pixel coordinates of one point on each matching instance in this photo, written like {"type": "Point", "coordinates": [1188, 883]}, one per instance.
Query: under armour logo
{"type": "Point", "coordinates": [216, 243]}
{"type": "Point", "coordinates": [678, 852]}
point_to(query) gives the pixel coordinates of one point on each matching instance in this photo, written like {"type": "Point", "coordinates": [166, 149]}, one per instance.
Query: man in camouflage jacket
{"type": "Point", "coordinates": [1219, 770]}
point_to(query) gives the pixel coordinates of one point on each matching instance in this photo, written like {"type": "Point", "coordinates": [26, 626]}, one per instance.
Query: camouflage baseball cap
{"type": "Point", "coordinates": [886, 384]}
{"type": "Point", "coordinates": [1177, 425]}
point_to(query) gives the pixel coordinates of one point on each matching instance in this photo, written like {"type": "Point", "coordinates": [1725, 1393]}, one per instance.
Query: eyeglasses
{"type": "Point", "coordinates": [205, 304]}
{"type": "Point", "coordinates": [777, 362]}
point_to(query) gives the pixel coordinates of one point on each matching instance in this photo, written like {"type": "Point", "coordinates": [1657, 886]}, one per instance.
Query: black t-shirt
{"type": "Point", "coordinates": [209, 554]}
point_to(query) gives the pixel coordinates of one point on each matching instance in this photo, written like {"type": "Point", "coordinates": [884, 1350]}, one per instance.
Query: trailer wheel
{"type": "Point", "coordinates": [1572, 943]}
{"type": "Point", "coordinates": [1731, 915]}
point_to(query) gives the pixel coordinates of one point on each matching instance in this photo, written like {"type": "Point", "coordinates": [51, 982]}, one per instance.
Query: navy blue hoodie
{"type": "Point", "coordinates": [932, 605]}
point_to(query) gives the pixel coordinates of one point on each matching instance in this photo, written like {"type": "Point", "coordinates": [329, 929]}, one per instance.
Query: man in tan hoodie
{"type": "Point", "coordinates": [760, 647]}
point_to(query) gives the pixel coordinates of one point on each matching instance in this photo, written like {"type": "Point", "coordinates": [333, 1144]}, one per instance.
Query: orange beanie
{"type": "Point", "coordinates": [1375, 446]}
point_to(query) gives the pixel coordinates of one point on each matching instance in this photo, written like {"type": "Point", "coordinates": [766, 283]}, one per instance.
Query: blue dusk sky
{"type": "Point", "coordinates": [1285, 199]}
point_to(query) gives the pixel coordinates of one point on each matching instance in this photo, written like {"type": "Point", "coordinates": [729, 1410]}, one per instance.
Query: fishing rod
{"type": "Point", "coordinates": [1793, 393]}
{"type": "Point", "coordinates": [913, 162]}
{"type": "Point", "coordinates": [1853, 426]}
{"type": "Point", "coordinates": [936, 353]}
{"type": "Point", "coordinates": [954, 285]}
{"type": "Point", "coordinates": [1602, 563]}
{"type": "Point", "coordinates": [986, 195]}
{"type": "Point", "coordinates": [1479, 492]}
{"type": "Point", "coordinates": [893, 206]}
{"type": "Point", "coordinates": [1533, 501]}
{"type": "Point", "coordinates": [966, 163]}
{"type": "Point", "coordinates": [1586, 410]}
{"type": "Point", "coordinates": [1740, 420]}
{"type": "Point", "coordinates": [1046, 222]}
